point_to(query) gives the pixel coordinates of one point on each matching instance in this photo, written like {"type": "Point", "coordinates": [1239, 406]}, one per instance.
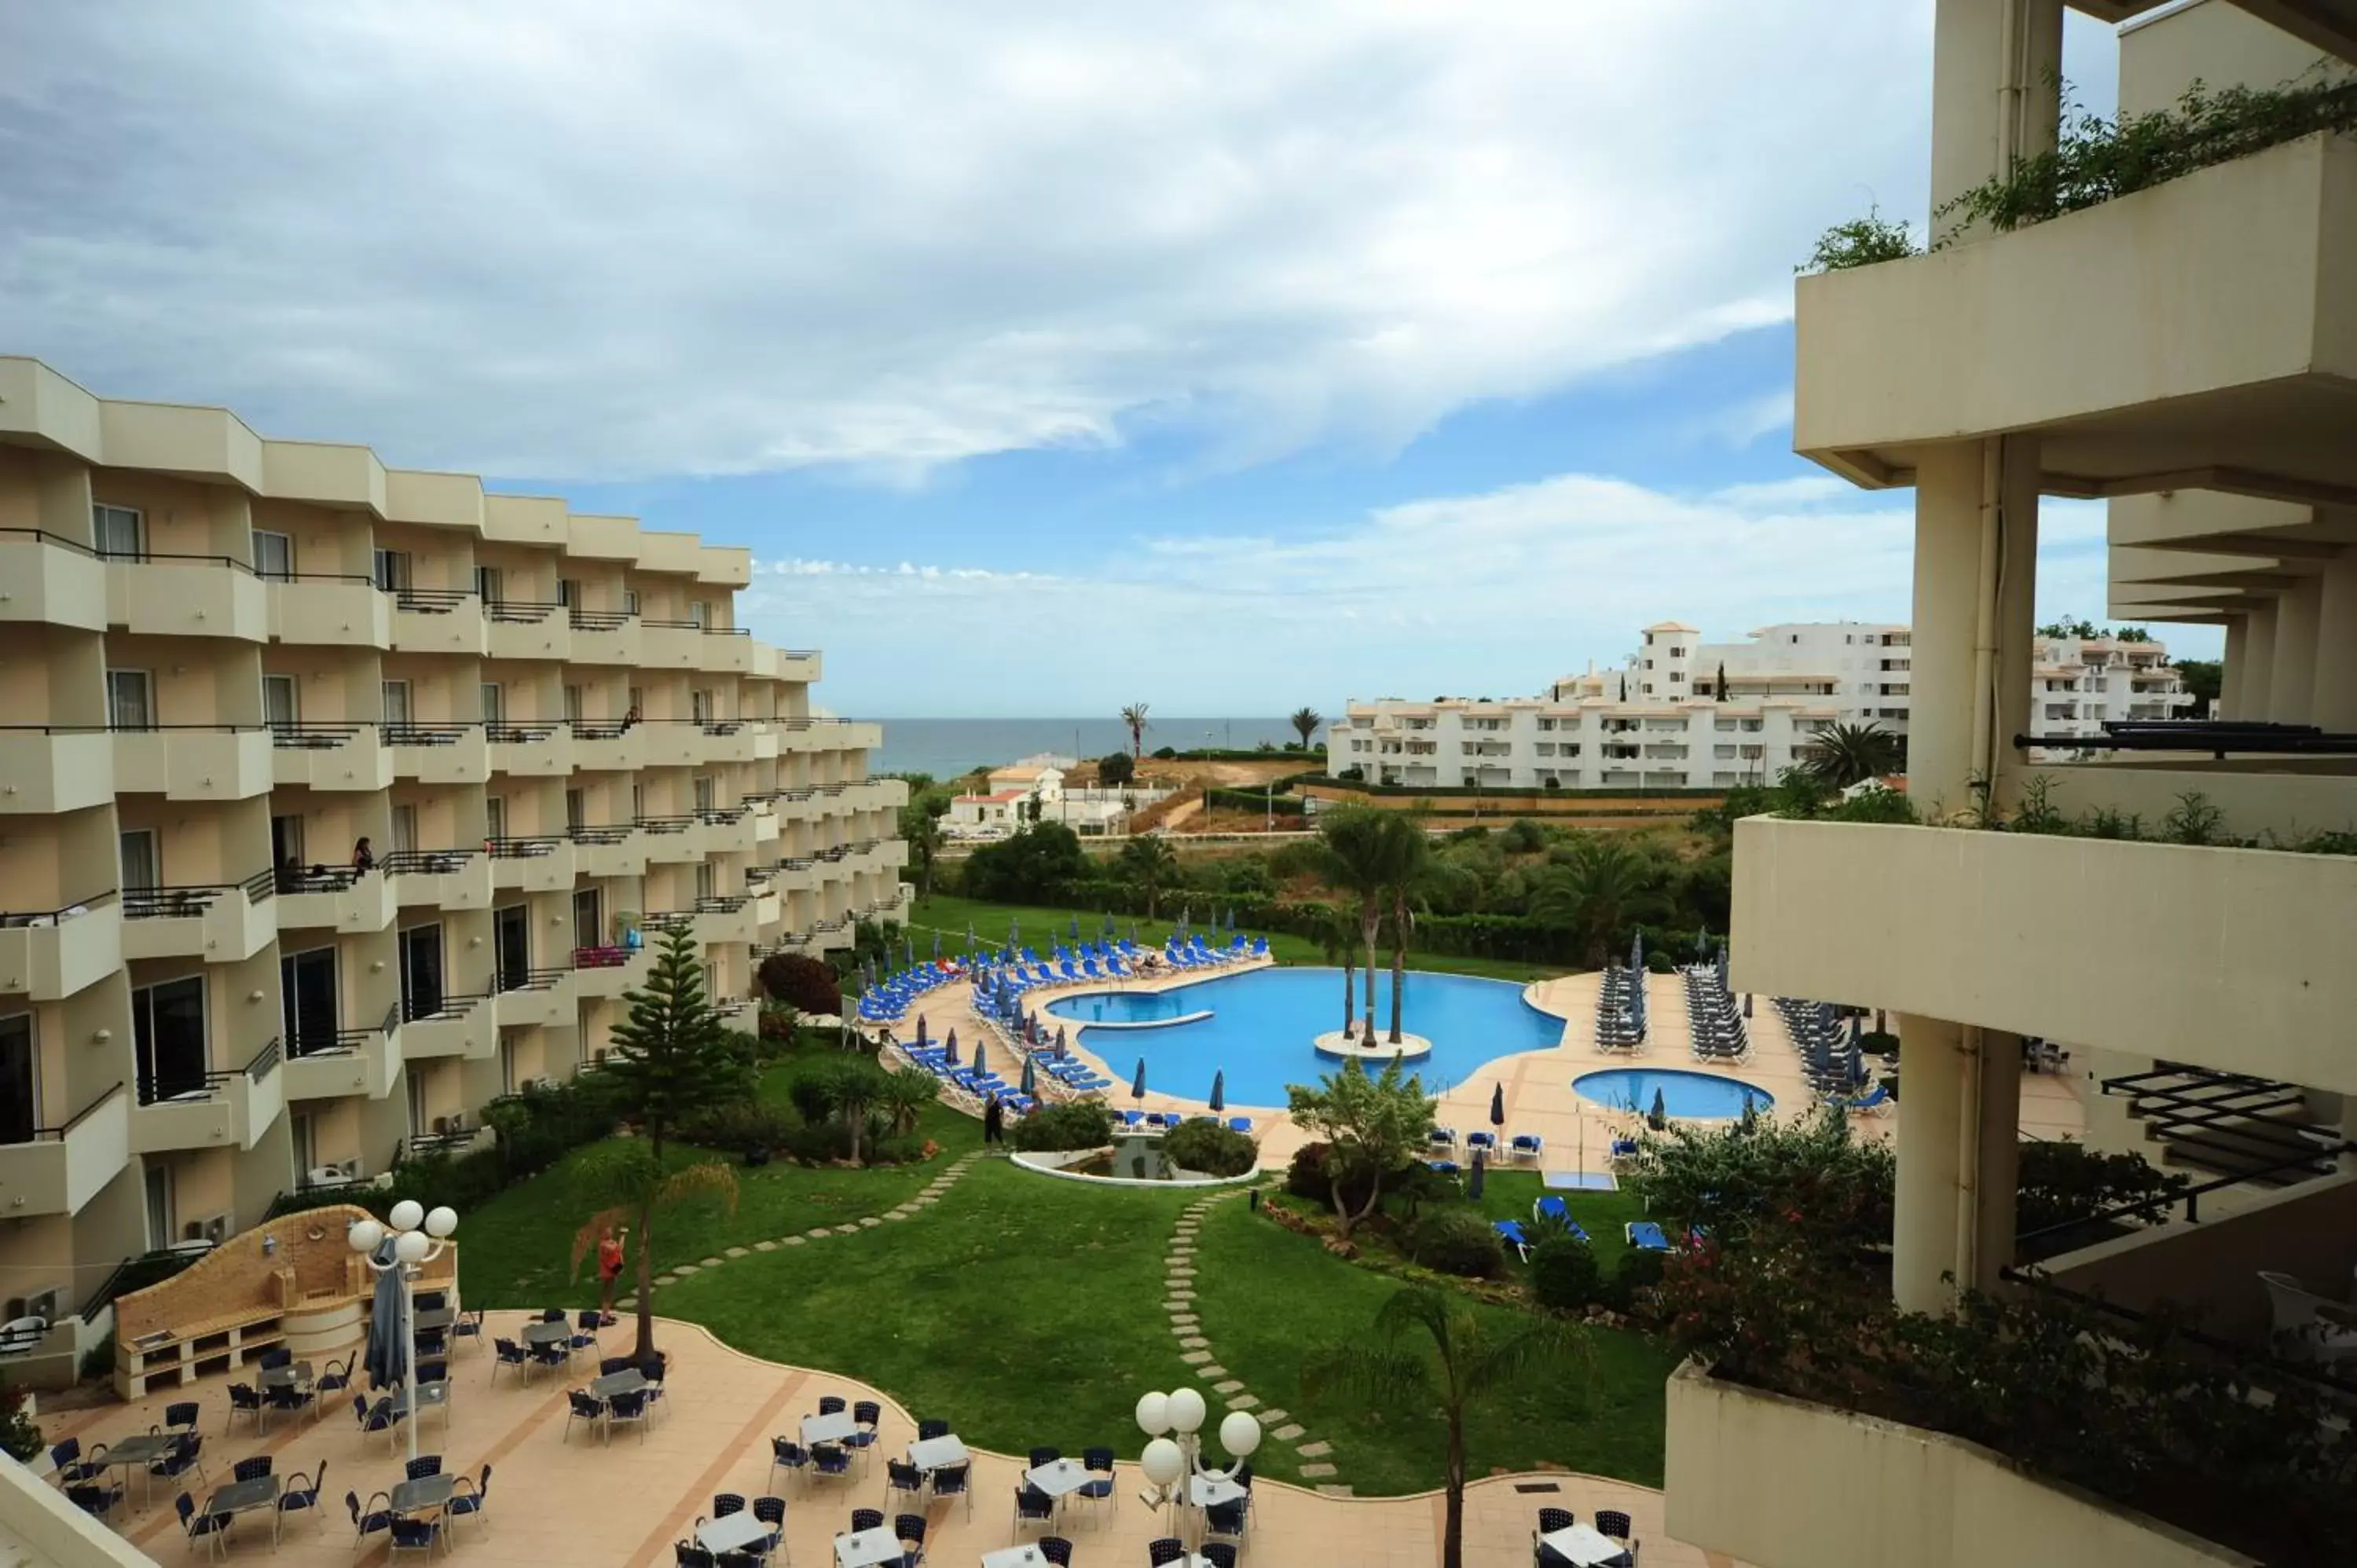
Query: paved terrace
{"type": "Point", "coordinates": [586, 1502]}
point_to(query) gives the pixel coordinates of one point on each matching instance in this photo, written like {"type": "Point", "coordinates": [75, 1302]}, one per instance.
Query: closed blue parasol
{"type": "Point", "coordinates": [920, 1029]}
{"type": "Point", "coordinates": [949, 1047]}
{"type": "Point", "coordinates": [1474, 1182]}
{"type": "Point", "coordinates": [1030, 1080]}
{"type": "Point", "coordinates": [1658, 1118]}
{"type": "Point", "coordinates": [387, 1357]}
{"type": "Point", "coordinates": [981, 1057]}
{"type": "Point", "coordinates": [1219, 1091]}
{"type": "Point", "coordinates": [1137, 1081]}
{"type": "Point", "coordinates": [1060, 1039]}
{"type": "Point", "coordinates": [936, 947]}
{"type": "Point", "coordinates": [1497, 1105]}
{"type": "Point", "coordinates": [1076, 931]}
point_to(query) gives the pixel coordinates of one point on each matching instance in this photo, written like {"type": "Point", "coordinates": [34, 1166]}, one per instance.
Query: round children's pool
{"type": "Point", "coordinates": [1693, 1096]}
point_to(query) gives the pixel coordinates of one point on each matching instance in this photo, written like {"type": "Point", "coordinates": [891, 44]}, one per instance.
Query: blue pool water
{"type": "Point", "coordinates": [1262, 1023]}
{"type": "Point", "coordinates": [1698, 1096]}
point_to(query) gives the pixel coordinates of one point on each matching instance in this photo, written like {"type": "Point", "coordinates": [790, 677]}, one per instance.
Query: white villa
{"type": "Point", "coordinates": [1034, 790]}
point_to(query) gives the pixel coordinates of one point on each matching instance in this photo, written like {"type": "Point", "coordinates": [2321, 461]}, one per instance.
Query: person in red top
{"type": "Point", "coordinates": [609, 1268]}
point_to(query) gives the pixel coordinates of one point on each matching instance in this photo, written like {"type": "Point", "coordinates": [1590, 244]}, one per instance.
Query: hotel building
{"type": "Point", "coordinates": [2185, 351]}
{"type": "Point", "coordinates": [225, 661]}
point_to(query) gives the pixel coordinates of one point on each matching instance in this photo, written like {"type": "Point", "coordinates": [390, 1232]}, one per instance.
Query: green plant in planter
{"type": "Point", "coordinates": [2193, 820]}
{"type": "Point", "coordinates": [1861, 242]}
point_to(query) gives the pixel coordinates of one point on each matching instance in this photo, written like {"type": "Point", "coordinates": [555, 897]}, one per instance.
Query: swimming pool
{"type": "Point", "coordinates": [1262, 1022]}
{"type": "Point", "coordinates": [1693, 1096]}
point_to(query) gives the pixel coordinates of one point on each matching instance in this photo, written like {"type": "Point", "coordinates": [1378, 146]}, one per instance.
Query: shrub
{"type": "Point", "coordinates": [1165, 753]}
{"type": "Point", "coordinates": [802, 982]}
{"type": "Point", "coordinates": [1638, 1269]}
{"type": "Point", "coordinates": [1861, 242]}
{"type": "Point", "coordinates": [20, 1434]}
{"type": "Point", "coordinates": [896, 1150]}
{"type": "Point", "coordinates": [812, 1094]}
{"type": "Point", "coordinates": [746, 1128]}
{"type": "Point", "coordinates": [1456, 1241]}
{"type": "Point", "coordinates": [1564, 1274]}
{"type": "Point", "coordinates": [1306, 1178]}
{"type": "Point", "coordinates": [817, 1143]}
{"type": "Point", "coordinates": [1214, 1150]}
{"type": "Point", "coordinates": [1076, 1124]}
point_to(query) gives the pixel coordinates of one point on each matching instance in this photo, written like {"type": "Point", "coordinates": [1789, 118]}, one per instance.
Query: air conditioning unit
{"type": "Point", "coordinates": [332, 1176]}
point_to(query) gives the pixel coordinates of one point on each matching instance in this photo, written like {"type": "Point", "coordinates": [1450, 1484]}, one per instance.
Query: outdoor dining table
{"type": "Point", "coordinates": [143, 1450]}
{"type": "Point", "coordinates": [830, 1428]}
{"type": "Point", "coordinates": [730, 1533]}
{"type": "Point", "coordinates": [1588, 1547]}
{"type": "Point", "coordinates": [866, 1548]}
{"type": "Point", "coordinates": [425, 1493]}
{"type": "Point", "coordinates": [934, 1453]}
{"type": "Point", "coordinates": [629, 1381]}
{"type": "Point", "coordinates": [1023, 1556]}
{"type": "Point", "coordinates": [430, 1396]}
{"type": "Point", "coordinates": [432, 1318]}
{"type": "Point", "coordinates": [243, 1497]}
{"type": "Point", "coordinates": [547, 1334]}
{"type": "Point", "coordinates": [1210, 1491]}
{"type": "Point", "coordinates": [1058, 1479]}
{"type": "Point", "coordinates": [287, 1375]}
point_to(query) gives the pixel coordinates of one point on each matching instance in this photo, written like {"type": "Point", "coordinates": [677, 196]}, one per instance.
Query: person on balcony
{"type": "Point", "coordinates": [364, 857]}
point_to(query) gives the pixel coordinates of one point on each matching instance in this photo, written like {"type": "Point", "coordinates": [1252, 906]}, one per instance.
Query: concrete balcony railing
{"type": "Point", "coordinates": [48, 768]}
{"type": "Point", "coordinates": [187, 595]}
{"type": "Point", "coordinates": [732, 831]}
{"type": "Point", "coordinates": [532, 865]}
{"type": "Point", "coordinates": [802, 664]}
{"type": "Point", "coordinates": [337, 897]}
{"type": "Point", "coordinates": [606, 747]}
{"type": "Point", "coordinates": [1784, 1483]}
{"type": "Point", "coordinates": [361, 1061]}
{"type": "Point", "coordinates": [50, 955]}
{"type": "Point", "coordinates": [615, 851]}
{"type": "Point", "coordinates": [669, 743]}
{"type": "Point", "coordinates": [798, 875]}
{"type": "Point", "coordinates": [58, 1169]}
{"type": "Point", "coordinates": [532, 750]}
{"type": "Point", "coordinates": [670, 645]}
{"type": "Point", "coordinates": [600, 973]}
{"type": "Point", "coordinates": [227, 1109]}
{"type": "Point", "coordinates": [671, 840]}
{"type": "Point", "coordinates": [438, 620]}
{"type": "Point", "coordinates": [765, 827]}
{"type": "Point", "coordinates": [330, 756]}
{"type": "Point", "coordinates": [2099, 328]}
{"type": "Point", "coordinates": [2236, 959]}
{"type": "Point", "coordinates": [536, 997]}
{"type": "Point", "coordinates": [733, 919]}
{"type": "Point", "coordinates": [223, 924]}
{"type": "Point", "coordinates": [604, 637]}
{"type": "Point", "coordinates": [736, 740]}
{"type": "Point", "coordinates": [461, 1026]}
{"type": "Point", "coordinates": [329, 612]}
{"type": "Point", "coordinates": [442, 753]}
{"type": "Point", "coordinates": [446, 878]}
{"type": "Point", "coordinates": [194, 762]}
{"type": "Point", "coordinates": [52, 580]}
{"type": "Point", "coordinates": [725, 650]}
{"type": "Point", "coordinates": [514, 628]}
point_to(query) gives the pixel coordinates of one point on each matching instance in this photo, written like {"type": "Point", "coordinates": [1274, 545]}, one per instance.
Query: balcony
{"type": "Point", "coordinates": [446, 878]}
{"type": "Point", "coordinates": [671, 840]}
{"type": "Point", "coordinates": [530, 751]}
{"type": "Point", "coordinates": [731, 917]}
{"type": "Point", "coordinates": [614, 851]}
{"type": "Point", "coordinates": [194, 762]}
{"type": "Point", "coordinates": [217, 924]}
{"type": "Point", "coordinates": [51, 955]}
{"type": "Point", "coordinates": [669, 743]}
{"type": "Point", "coordinates": [2236, 959]}
{"type": "Point", "coordinates": [458, 1026]}
{"type": "Point", "coordinates": [515, 629]}
{"type": "Point", "coordinates": [52, 580]}
{"type": "Point", "coordinates": [332, 1064]}
{"type": "Point", "coordinates": [612, 747]}
{"type": "Point", "coordinates": [2100, 329]}
{"type": "Point", "coordinates": [890, 854]}
{"type": "Point", "coordinates": [537, 997]}
{"type": "Point", "coordinates": [338, 896]}
{"type": "Point", "coordinates": [47, 768]}
{"type": "Point", "coordinates": [801, 664]}
{"type": "Point", "coordinates": [439, 753]}
{"type": "Point", "coordinates": [186, 595]}
{"type": "Point", "coordinates": [330, 756]}
{"type": "Point", "coordinates": [669, 644]}
{"type": "Point", "coordinates": [438, 620]}
{"type": "Point", "coordinates": [610, 971]}
{"type": "Point", "coordinates": [734, 740]}
{"type": "Point", "coordinates": [532, 865]}
{"type": "Point", "coordinates": [229, 1109]}
{"type": "Point", "coordinates": [731, 831]}
{"type": "Point", "coordinates": [313, 611]}
{"type": "Point", "coordinates": [61, 1169]}
{"type": "Point", "coordinates": [799, 875]}
{"type": "Point", "coordinates": [768, 912]}
{"type": "Point", "coordinates": [604, 637]}
{"type": "Point", "coordinates": [727, 650]}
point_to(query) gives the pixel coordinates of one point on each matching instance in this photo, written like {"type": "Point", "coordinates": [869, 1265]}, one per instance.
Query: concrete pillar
{"type": "Point", "coordinates": [2016, 610]}
{"type": "Point", "coordinates": [1947, 577]}
{"type": "Point", "coordinates": [2000, 1159]}
{"type": "Point", "coordinates": [2230, 673]}
{"type": "Point", "coordinates": [2291, 690]}
{"type": "Point", "coordinates": [2333, 699]}
{"type": "Point", "coordinates": [2259, 677]}
{"type": "Point", "coordinates": [1959, 1125]}
{"type": "Point", "coordinates": [1995, 96]}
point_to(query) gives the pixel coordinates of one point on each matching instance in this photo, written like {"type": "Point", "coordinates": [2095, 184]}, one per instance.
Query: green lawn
{"type": "Point", "coordinates": [952, 916]}
{"type": "Point", "coordinates": [1269, 1297]}
{"type": "Point", "coordinates": [517, 1246]}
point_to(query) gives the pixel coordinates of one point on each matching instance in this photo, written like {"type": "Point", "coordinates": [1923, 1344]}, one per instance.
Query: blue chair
{"type": "Point", "coordinates": [65, 1458]}
{"type": "Point", "coordinates": [869, 1415]}
{"type": "Point", "coordinates": [1240, 1124]}
{"type": "Point", "coordinates": [552, 1356]}
{"type": "Point", "coordinates": [830, 1459]}
{"type": "Point", "coordinates": [866, 1518]}
{"type": "Point", "coordinates": [469, 1328]}
{"type": "Point", "coordinates": [371, 1521]}
{"type": "Point", "coordinates": [97, 1498]}
{"type": "Point", "coordinates": [1646, 1235]}
{"type": "Point", "coordinates": [181, 1416]}
{"type": "Point", "coordinates": [244, 1400]}
{"type": "Point", "coordinates": [787, 1455]}
{"type": "Point", "coordinates": [653, 1369]}
{"type": "Point", "coordinates": [507, 1353]}
{"type": "Point", "coordinates": [1510, 1232]}
{"type": "Point", "coordinates": [1219, 1554]}
{"type": "Point", "coordinates": [771, 1511]}
{"type": "Point", "coordinates": [1097, 1462]}
{"type": "Point", "coordinates": [184, 1456]}
{"type": "Point", "coordinates": [418, 1534]}
{"type": "Point", "coordinates": [911, 1529]}
{"type": "Point", "coordinates": [1526, 1145]}
{"type": "Point", "coordinates": [926, 1429]}
{"type": "Point", "coordinates": [586, 1326]}
{"type": "Point", "coordinates": [1056, 1550]}
{"type": "Point", "coordinates": [1225, 1521]}
{"type": "Point", "coordinates": [379, 1417]}
{"type": "Point", "coordinates": [902, 1477]}
{"type": "Point", "coordinates": [1033, 1505]}
{"type": "Point", "coordinates": [252, 1469]}
{"type": "Point", "coordinates": [955, 1480]}
{"type": "Point", "coordinates": [832, 1404]}
{"type": "Point", "coordinates": [586, 1407]}
{"type": "Point", "coordinates": [626, 1407]}
{"type": "Point", "coordinates": [207, 1528]}
{"type": "Point", "coordinates": [1165, 1551]}
{"type": "Point", "coordinates": [299, 1495]}
{"type": "Point", "coordinates": [424, 1465]}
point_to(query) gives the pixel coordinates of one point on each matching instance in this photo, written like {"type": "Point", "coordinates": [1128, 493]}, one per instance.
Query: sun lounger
{"type": "Point", "coordinates": [1526, 1145]}
{"type": "Point", "coordinates": [1511, 1233]}
{"type": "Point", "coordinates": [1646, 1235]}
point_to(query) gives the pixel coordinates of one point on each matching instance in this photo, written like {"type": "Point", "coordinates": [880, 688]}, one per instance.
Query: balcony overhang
{"type": "Point", "coordinates": [2328, 24]}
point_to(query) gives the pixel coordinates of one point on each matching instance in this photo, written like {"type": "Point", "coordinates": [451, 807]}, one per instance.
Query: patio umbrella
{"type": "Point", "coordinates": [1013, 931]}
{"type": "Point", "coordinates": [936, 947]}
{"type": "Point", "coordinates": [1498, 1104]}
{"type": "Point", "coordinates": [949, 1047]}
{"type": "Point", "coordinates": [1060, 1039]}
{"type": "Point", "coordinates": [1637, 953]}
{"type": "Point", "coordinates": [1219, 1091]}
{"type": "Point", "coordinates": [1133, 932]}
{"type": "Point", "coordinates": [1108, 933]}
{"type": "Point", "coordinates": [909, 946]}
{"type": "Point", "coordinates": [1137, 1081]}
{"type": "Point", "coordinates": [921, 1029]}
{"type": "Point", "coordinates": [1480, 1170]}
{"type": "Point", "coordinates": [1856, 1069]}
{"type": "Point", "coordinates": [1076, 931]}
{"type": "Point", "coordinates": [1030, 1081]}
{"type": "Point", "coordinates": [1658, 1118]}
{"type": "Point", "coordinates": [981, 1059]}
{"type": "Point", "coordinates": [1722, 967]}
{"type": "Point", "coordinates": [387, 1357]}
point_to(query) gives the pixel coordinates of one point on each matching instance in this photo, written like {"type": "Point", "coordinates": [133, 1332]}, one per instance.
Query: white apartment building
{"type": "Point", "coordinates": [227, 662]}
{"type": "Point", "coordinates": [1662, 722]}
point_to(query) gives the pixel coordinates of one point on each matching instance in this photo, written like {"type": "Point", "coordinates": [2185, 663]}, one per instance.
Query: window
{"type": "Point", "coordinates": [576, 808]}
{"type": "Point", "coordinates": [404, 829]}
{"type": "Point", "coordinates": [273, 555]}
{"type": "Point", "coordinates": [573, 704]}
{"type": "Point", "coordinates": [699, 706]}
{"type": "Point", "coordinates": [395, 695]}
{"type": "Point", "coordinates": [393, 571]}
{"type": "Point", "coordinates": [705, 884]}
{"type": "Point", "coordinates": [167, 1028]}
{"type": "Point", "coordinates": [20, 1098]}
{"type": "Point", "coordinates": [495, 817]}
{"type": "Point", "coordinates": [278, 701]}
{"type": "Point", "coordinates": [495, 705]}
{"type": "Point", "coordinates": [699, 613]}
{"type": "Point", "coordinates": [704, 792]}
{"type": "Point", "coordinates": [491, 585]}
{"type": "Point", "coordinates": [130, 701]}
{"type": "Point", "coordinates": [630, 601]}
{"type": "Point", "coordinates": [121, 531]}
{"type": "Point", "coordinates": [286, 840]}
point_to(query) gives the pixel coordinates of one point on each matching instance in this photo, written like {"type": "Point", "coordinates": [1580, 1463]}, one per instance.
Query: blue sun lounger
{"type": "Point", "coordinates": [1511, 1233]}
{"type": "Point", "coordinates": [1552, 1205]}
{"type": "Point", "coordinates": [1646, 1237]}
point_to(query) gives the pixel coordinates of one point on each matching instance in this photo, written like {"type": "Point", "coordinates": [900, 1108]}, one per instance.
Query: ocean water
{"type": "Point", "coordinates": [945, 747]}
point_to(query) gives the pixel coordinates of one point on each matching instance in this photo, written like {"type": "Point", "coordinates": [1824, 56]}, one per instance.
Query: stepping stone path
{"type": "Point", "coordinates": [931, 1195]}
{"type": "Point", "coordinates": [1187, 1328]}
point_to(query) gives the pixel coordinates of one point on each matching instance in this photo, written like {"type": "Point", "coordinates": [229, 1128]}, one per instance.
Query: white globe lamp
{"type": "Point", "coordinates": [411, 1246]}
{"type": "Point", "coordinates": [365, 1235]}
{"type": "Point", "coordinates": [441, 1222]}
{"type": "Point", "coordinates": [407, 1214]}
{"type": "Point", "coordinates": [1187, 1410]}
{"type": "Point", "coordinates": [1154, 1414]}
{"type": "Point", "coordinates": [1240, 1433]}
{"type": "Point", "coordinates": [1162, 1462]}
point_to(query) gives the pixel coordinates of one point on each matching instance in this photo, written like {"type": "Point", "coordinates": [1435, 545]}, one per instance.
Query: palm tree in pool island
{"type": "Point", "coordinates": [1134, 716]}
{"type": "Point", "coordinates": [1304, 722]}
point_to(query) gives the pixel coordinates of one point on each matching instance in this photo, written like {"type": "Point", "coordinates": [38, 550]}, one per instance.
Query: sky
{"type": "Point", "coordinates": [1048, 355]}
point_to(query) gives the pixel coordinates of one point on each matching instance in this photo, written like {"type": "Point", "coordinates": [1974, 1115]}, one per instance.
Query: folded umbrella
{"type": "Point", "coordinates": [1219, 1091]}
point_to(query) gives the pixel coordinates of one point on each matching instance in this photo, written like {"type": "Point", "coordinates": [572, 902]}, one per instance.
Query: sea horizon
{"type": "Point", "coordinates": [945, 747]}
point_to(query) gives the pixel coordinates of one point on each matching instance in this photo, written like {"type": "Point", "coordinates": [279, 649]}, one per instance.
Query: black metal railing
{"type": "Point", "coordinates": [172, 903]}
{"type": "Point", "coordinates": [2303, 1371]}
{"type": "Point", "coordinates": [608, 834]}
{"type": "Point", "coordinates": [670, 921]}
{"type": "Point", "coordinates": [19, 918]}
{"type": "Point", "coordinates": [522, 848]}
{"type": "Point", "coordinates": [312, 1041]}
{"type": "Point", "coordinates": [520, 612]}
{"type": "Point", "coordinates": [148, 557]}
{"type": "Point", "coordinates": [415, 1011]}
{"type": "Point", "coordinates": [670, 625]}
{"type": "Point", "coordinates": [155, 1090]}
{"type": "Point", "coordinates": [721, 816]}
{"type": "Point", "coordinates": [135, 1275]}
{"type": "Point", "coordinates": [600, 729]}
{"type": "Point", "coordinates": [721, 726]}
{"type": "Point", "coordinates": [499, 732]}
{"type": "Point", "coordinates": [43, 536]}
{"type": "Point", "coordinates": [65, 1129]}
{"type": "Point", "coordinates": [316, 878]}
{"type": "Point", "coordinates": [722, 903]}
{"type": "Point", "coordinates": [431, 601]}
{"type": "Point", "coordinates": [601, 620]}
{"type": "Point", "coordinates": [312, 737]}
{"type": "Point", "coordinates": [443, 732]}
{"type": "Point", "coordinates": [530, 979]}
{"type": "Point", "coordinates": [728, 631]}
{"type": "Point", "coordinates": [426, 862]}
{"type": "Point", "coordinates": [264, 1062]}
{"type": "Point", "coordinates": [665, 824]}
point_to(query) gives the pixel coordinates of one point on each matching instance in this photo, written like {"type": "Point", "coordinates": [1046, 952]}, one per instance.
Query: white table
{"type": "Point", "coordinates": [866, 1548]}
{"type": "Point", "coordinates": [730, 1531]}
{"type": "Point", "coordinates": [1588, 1547]}
{"type": "Point", "coordinates": [832, 1428]}
{"type": "Point", "coordinates": [934, 1453]}
{"type": "Point", "coordinates": [1210, 1491]}
{"type": "Point", "coordinates": [1060, 1478]}
{"type": "Point", "coordinates": [1023, 1556]}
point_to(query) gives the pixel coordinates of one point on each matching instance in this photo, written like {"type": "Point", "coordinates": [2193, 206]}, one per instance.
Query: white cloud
{"type": "Point", "coordinates": [581, 239]}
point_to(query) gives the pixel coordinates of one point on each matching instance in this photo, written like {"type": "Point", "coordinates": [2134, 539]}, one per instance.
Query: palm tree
{"type": "Point", "coordinates": [904, 1097]}
{"type": "Point", "coordinates": [1595, 894]}
{"type": "Point", "coordinates": [626, 1178]}
{"type": "Point", "coordinates": [1411, 862]}
{"type": "Point", "coordinates": [920, 824]}
{"type": "Point", "coordinates": [1134, 716]}
{"type": "Point", "coordinates": [1844, 755]}
{"type": "Point", "coordinates": [1304, 722]}
{"type": "Point", "coordinates": [1360, 847]}
{"type": "Point", "coordinates": [1338, 938]}
{"type": "Point", "coordinates": [1474, 1357]}
{"type": "Point", "coordinates": [1150, 862]}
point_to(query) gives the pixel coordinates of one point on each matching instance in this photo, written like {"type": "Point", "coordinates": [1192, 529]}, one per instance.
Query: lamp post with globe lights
{"type": "Point", "coordinates": [418, 1238]}
{"type": "Point", "coordinates": [1173, 1456]}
